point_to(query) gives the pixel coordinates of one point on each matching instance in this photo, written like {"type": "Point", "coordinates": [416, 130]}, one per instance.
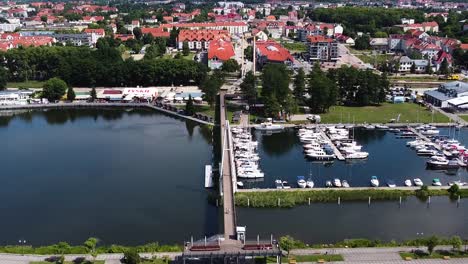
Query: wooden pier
{"type": "Point", "coordinates": [423, 137]}
{"type": "Point", "coordinates": [336, 151]}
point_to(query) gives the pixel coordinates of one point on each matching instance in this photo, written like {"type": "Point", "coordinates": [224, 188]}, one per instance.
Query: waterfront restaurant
{"type": "Point", "coordinates": [129, 94]}
{"type": "Point", "coordinates": [110, 95]}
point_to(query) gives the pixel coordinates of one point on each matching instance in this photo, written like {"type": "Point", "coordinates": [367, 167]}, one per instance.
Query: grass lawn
{"type": "Point", "coordinates": [27, 84]}
{"type": "Point", "coordinates": [379, 58]}
{"type": "Point", "coordinates": [415, 78]}
{"type": "Point", "coordinates": [438, 254]}
{"type": "Point", "coordinates": [303, 258]}
{"type": "Point", "coordinates": [409, 112]}
{"type": "Point", "coordinates": [296, 47]}
{"type": "Point", "coordinates": [464, 117]}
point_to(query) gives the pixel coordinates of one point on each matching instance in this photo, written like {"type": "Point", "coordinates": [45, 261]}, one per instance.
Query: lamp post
{"type": "Point", "coordinates": [22, 243]}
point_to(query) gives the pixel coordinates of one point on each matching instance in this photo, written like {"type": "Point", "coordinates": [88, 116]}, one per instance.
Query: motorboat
{"type": "Point", "coordinates": [430, 132]}
{"type": "Point", "coordinates": [319, 155]}
{"type": "Point", "coordinates": [328, 184]}
{"type": "Point", "coordinates": [459, 183]}
{"type": "Point", "coordinates": [370, 127]}
{"type": "Point", "coordinates": [374, 181]}
{"type": "Point", "coordinates": [345, 183]}
{"type": "Point", "coordinates": [418, 182]}
{"type": "Point", "coordinates": [357, 155]}
{"type": "Point", "coordinates": [269, 126]}
{"type": "Point", "coordinates": [286, 185]}
{"type": "Point", "coordinates": [436, 182]}
{"type": "Point", "coordinates": [240, 184]}
{"type": "Point", "coordinates": [391, 184]}
{"type": "Point", "coordinates": [381, 127]}
{"type": "Point", "coordinates": [408, 183]}
{"type": "Point", "coordinates": [279, 184]}
{"type": "Point", "coordinates": [337, 182]}
{"type": "Point", "coordinates": [441, 163]}
{"type": "Point", "coordinates": [301, 182]}
{"type": "Point", "coordinates": [309, 183]}
{"type": "Point", "coordinates": [427, 152]}
{"type": "Point", "coordinates": [414, 143]}
{"type": "Point", "coordinates": [394, 130]}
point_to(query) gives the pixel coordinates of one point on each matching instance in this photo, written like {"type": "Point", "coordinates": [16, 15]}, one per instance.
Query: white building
{"type": "Point", "coordinates": [15, 97]}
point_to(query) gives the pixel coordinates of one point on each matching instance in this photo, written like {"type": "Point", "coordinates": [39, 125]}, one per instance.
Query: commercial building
{"type": "Point", "coordinates": [447, 91]}
{"type": "Point", "coordinates": [200, 39]}
{"type": "Point", "coordinates": [271, 52]}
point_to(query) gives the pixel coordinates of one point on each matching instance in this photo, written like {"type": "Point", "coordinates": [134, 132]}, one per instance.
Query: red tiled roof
{"type": "Point", "coordinates": [156, 32]}
{"type": "Point", "coordinates": [464, 46]}
{"type": "Point", "coordinates": [203, 35]}
{"type": "Point", "coordinates": [112, 92]}
{"type": "Point", "coordinates": [223, 50]}
{"type": "Point", "coordinates": [319, 38]}
{"type": "Point", "coordinates": [99, 31]}
{"type": "Point", "coordinates": [203, 25]}
{"type": "Point", "coordinates": [273, 51]}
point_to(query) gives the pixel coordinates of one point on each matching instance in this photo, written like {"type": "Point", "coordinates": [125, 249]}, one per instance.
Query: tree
{"type": "Point", "coordinates": [54, 89]}
{"type": "Point", "coordinates": [299, 85]}
{"type": "Point", "coordinates": [362, 42]}
{"type": "Point", "coordinates": [185, 48]}
{"type": "Point", "coordinates": [272, 106]}
{"type": "Point", "coordinates": [90, 244]}
{"type": "Point", "coordinates": [413, 68]}
{"type": "Point", "coordinates": [456, 242]}
{"type": "Point", "coordinates": [137, 33]}
{"type": "Point", "coordinates": [248, 53]}
{"type": "Point", "coordinates": [71, 94]}
{"type": "Point", "coordinates": [131, 256]}
{"type": "Point", "coordinates": [286, 243]}
{"type": "Point", "coordinates": [189, 107]}
{"type": "Point", "coordinates": [248, 87]}
{"type": "Point", "coordinates": [431, 243]}
{"type": "Point", "coordinates": [444, 67]}
{"type": "Point", "coordinates": [3, 78]}
{"type": "Point", "coordinates": [93, 94]}
{"type": "Point", "coordinates": [275, 80]}
{"type": "Point", "coordinates": [322, 90]}
{"type": "Point", "coordinates": [429, 67]}
{"type": "Point", "coordinates": [230, 65]}
{"type": "Point", "coordinates": [44, 19]}
{"type": "Point", "coordinates": [147, 39]}
{"type": "Point", "coordinates": [211, 85]}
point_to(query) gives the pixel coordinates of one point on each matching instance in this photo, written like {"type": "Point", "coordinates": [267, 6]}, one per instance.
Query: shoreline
{"type": "Point", "coordinates": [98, 105]}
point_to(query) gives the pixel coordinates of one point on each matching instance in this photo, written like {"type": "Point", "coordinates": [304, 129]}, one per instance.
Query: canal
{"type": "Point", "coordinates": [135, 176]}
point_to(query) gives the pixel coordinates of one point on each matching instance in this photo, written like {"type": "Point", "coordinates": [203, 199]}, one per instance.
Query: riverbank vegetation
{"type": "Point", "coordinates": [65, 248]}
{"type": "Point", "coordinates": [301, 258]}
{"type": "Point", "coordinates": [288, 199]}
{"type": "Point", "coordinates": [438, 254]}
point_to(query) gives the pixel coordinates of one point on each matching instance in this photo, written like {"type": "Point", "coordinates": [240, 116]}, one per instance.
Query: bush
{"type": "Point", "coordinates": [131, 256]}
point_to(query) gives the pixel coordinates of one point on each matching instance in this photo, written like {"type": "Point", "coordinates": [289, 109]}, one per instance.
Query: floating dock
{"type": "Point", "coordinates": [336, 151]}
{"type": "Point", "coordinates": [423, 137]}
{"type": "Point", "coordinates": [208, 177]}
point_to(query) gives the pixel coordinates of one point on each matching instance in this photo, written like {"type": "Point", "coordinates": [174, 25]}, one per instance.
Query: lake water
{"type": "Point", "coordinates": [136, 176]}
{"type": "Point", "coordinates": [126, 177]}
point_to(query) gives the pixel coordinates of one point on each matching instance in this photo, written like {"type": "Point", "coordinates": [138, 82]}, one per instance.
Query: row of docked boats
{"type": "Point", "coordinates": [316, 147]}
{"type": "Point", "coordinates": [246, 157]}
{"type": "Point", "coordinates": [348, 147]}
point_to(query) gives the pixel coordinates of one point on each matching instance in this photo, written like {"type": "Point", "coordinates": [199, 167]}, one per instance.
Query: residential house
{"type": "Point", "coordinates": [200, 39]}
{"type": "Point", "coordinates": [271, 52]}
{"type": "Point", "coordinates": [79, 39]}
{"type": "Point", "coordinates": [219, 51]}
{"type": "Point", "coordinates": [233, 27]}
{"type": "Point", "coordinates": [344, 39]}
{"type": "Point", "coordinates": [379, 44]}
{"type": "Point", "coordinates": [155, 32]}
{"type": "Point", "coordinates": [425, 26]}
{"type": "Point", "coordinates": [95, 34]}
{"type": "Point", "coordinates": [406, 63]}
{"type": "Point", "coordinates": [407, 21]}
{"type": "Point", "coordinates": [321, 48]}
{"type": "Point", "coordinates": [441, 56]}
{"type": "Point", "coordinates": [314, 29]}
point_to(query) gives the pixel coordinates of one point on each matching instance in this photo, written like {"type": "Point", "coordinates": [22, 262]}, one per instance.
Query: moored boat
{"type": "Point", "coordinates": [374, 181]}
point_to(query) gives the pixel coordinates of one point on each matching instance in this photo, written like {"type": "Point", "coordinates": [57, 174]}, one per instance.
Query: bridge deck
{"type": "Point", "coordinates": [227, 177]}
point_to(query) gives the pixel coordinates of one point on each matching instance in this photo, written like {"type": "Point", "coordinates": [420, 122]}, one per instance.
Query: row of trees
{"type": "Point", "coordinates": [81, 66]}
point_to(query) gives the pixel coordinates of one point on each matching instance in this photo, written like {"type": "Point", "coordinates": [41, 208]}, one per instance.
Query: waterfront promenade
{"type": "Point", "coordinates": [385, 255]}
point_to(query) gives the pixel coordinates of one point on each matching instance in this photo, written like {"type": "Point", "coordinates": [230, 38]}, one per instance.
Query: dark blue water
{"type": "Point", "coordinates": [126, 177]}
{"type": "Point", "coordinates": [282, 158]}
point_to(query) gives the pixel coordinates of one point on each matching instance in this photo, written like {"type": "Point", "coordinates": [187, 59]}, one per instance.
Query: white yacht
{"type": "Point", "coordinates": [408, 183]}
{"type": "Point", "coordinates": [269, 126]}
{"type": "Point", "coordinates": [301, 182]}
{"type": "Point", "coordinates": [279, 184]}
{"type": "Point", "coordinates": [357, 155]}
{"type": "Point", "coordinates": [374, 181]}
{"type": "Point", "coordinates": [309, 183]}
{"type": "Point", "coordinates": [319, 155]}
{"type": "Point", "coordinates": [418, 182]}
{"type": "Point", "coordinates": [337, 183]}
{"type": "Point", "coordinates": [345, 183]}
{"type": "Point", "coordinates": [436, 182]}
{"type": "Point", "coordinates": [328, 184]}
